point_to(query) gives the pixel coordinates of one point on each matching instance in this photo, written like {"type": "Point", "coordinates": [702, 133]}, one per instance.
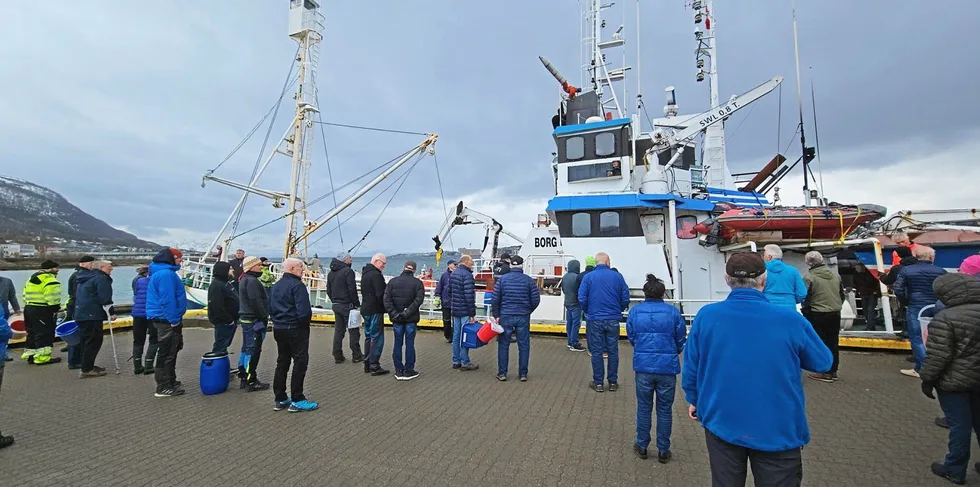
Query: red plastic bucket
{"type": "Point", "coordinates": [486, 333]}
{"type": "Point", "coordinates": [17, 322]}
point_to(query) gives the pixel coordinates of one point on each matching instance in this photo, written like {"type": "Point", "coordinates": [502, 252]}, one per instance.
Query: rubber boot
{"type": "Point", "coordinates": [28, 355]}
{"type": "Point", "coordinates": [138, 367]}
{"type": "Point", "coordinates": [44, 357]}
{"type": "Point", "coordinates": [148, 367]}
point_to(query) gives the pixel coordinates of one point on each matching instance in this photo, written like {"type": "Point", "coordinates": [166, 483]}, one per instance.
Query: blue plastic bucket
{"type": "Point", "coordinates": [469, 338]}
{"type": "Point", "coordinates": [69, 332]}
{"type": "Point", "coordinates": [214, 373]}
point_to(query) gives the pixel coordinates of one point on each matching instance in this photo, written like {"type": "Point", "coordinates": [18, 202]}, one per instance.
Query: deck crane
{"type": "Point", "coordinates": [467, 216]}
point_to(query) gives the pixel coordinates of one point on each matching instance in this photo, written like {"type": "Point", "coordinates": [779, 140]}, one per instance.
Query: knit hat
{"type": "Point", "coordinates": [590, 260]}
{"type": "Point", "coordinates": [745, 265]}
{"type": "Point", "coordinates": [177, 253]}
{"type": "Point", "coordinates": [409, 265]}
{"type": "Point", "coordinates": [87, 258]}
{"type": "Point", "coordinates": [971, 265]}
{"type": "Point", "coordinates": [903, 252]}
{"type": "Point", "coordinates": [250, 262]}
{"type": "Point", "coordinates": [49, 265]}
{"type": "Point", "coordinates": [342, 256]}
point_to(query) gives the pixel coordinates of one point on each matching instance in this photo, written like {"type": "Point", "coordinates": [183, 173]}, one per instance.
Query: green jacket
{"type": "Point", "coordinates": [267, 278]}
{"type": "Point", "coordinates": [824, 291]}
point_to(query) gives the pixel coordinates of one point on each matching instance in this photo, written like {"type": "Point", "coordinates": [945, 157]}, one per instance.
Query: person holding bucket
{"type": "Point", "coordinates": [93, 295]}
{"type": "Point", "coordinates": [515, 297]}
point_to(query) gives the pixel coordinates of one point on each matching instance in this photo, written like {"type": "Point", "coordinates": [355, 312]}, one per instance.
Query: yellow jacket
{"type": "Point", "coordinates": [42, 289]}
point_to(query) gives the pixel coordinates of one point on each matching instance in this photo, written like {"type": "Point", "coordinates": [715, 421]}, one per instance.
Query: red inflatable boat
{"type": "Point", "coordinates": [824, 222]}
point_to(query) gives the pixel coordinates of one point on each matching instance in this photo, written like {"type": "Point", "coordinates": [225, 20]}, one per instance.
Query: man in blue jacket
{"type": "Point", "coordinates": [742, 379]}
{"type": "Point", "coordinates": [291, 314]}
{"type": "Point", "coordinates": [913, 286]}
{"type": "Point", "coordinates": [141, 326]}
{"type": "Point", "coordinates": [462, 294]}
{"type": "Point", "coordinates": [442, 296]}
{"type": "Point", "coordinates": [515, 297]}
{"type": "Point", "coordinates": [166, 303]}
{"type": "Point", "coordinates": [603, 295]}
{"type": "Point", "coordinates": [658, 332]}
{"type": "Point", "coordinates": [94, 293]}
{"type": "Point", "coordinates": [784, 284]}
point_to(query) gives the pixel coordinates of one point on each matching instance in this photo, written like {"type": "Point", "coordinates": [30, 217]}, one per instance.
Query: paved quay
{"type": "Point", "coordinates": [445, 428]}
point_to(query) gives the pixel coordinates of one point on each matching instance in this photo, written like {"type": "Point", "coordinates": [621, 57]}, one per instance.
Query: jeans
{"type": "Point", "coordinates": [521, 325]}
{"type": "Point", "coordinates": [769, 468]}
{"type": "Point", "coordinates": [91, 343]}
{"type": "Point", "coordinates": [170, 340]}
{"type": "Point", "coordinates": [141, 329]}
{"type": "Point", "coordinates": [869, 305]}
{"type": "Point", "coordinates": [664, 387]}
{"type": "Point", "coordinates": [447, 322]}
{"type": "Point", "coordinates": [915, 335]}
{"type": "Point", "coordinates": [223, 335]}
{"type": "Point", "coordinates": [293, 345]}
{"type": "Point", "coordinates": [603, 336]}
{"type": "Point", "coordinates": [374, 339]}
{"type": "Point", "coordinates": [573, 324]}
{"type": "Point", "coordinates": [254, 335]}
{"type": "Point", "coordinates": [827, 326]}
{"type": "Point", "coordinates": [461, 354]}
{"type": "Point", "coordinates": [404, 332]}
{"type": "Point", "coordinates": [341, 314]}
{"type": "Point", "coordinates": [963, 416]}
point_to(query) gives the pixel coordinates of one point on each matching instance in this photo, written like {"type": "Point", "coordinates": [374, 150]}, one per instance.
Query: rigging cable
{"type": "Point", "coordinates": [376, 129]}
{"type": "Point", "coordinates": [779, 118]}
{"type": "Point", "coordinates": [395, 193]}
{"type": "Point", "coordinates": [441, 194]}
{"type": "Point", "coordinates": [323, 137]}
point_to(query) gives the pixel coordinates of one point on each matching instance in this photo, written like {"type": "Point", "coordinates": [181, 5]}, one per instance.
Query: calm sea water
{"type": "Point", "coordinates": [122, 278]}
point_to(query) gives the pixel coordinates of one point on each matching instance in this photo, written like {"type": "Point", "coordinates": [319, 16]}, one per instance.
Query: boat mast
{"type": "Point", "coordinates": [714, 136]}
{"type": "Point", "coordinates": [306, 28]}
{"type": "Point", "coordinates": [807, 155]}
{"type": "Point", "coordinates": [598, 68]}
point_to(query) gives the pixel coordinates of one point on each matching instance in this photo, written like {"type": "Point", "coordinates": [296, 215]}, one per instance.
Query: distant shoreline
{"type": "Point", "coordinates": [65, 263]}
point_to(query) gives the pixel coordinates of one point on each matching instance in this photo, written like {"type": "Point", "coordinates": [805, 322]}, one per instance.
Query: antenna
{"type": "Point", "coordinates": [816, 138]}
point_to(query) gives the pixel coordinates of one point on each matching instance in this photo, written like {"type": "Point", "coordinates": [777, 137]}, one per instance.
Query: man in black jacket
{"type": "Point", "coordinates": [403, 299]}
{"type": "Point", "coordinates": [222, 306]}
{"type": "Point", "coordinates": [372, 310]}
{"type": "Point", "coordinates": [75, 351]}
{"type": "Point", "coordinates": [952, 368]}
{"type": "Point", "coordinates": [291, 315]}
{"type": "Point", "coordinates": [253, 313]}
{"type": "Point", "coordinates": [342, 291]}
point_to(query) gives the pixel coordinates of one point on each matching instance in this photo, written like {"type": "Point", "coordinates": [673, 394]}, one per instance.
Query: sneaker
{"type": "Point", "coordinates": [640, 451]}
{"type": "Point", "coordinates": [664, 456]}
{"type": "Point", "coordinates": [8, 359]}
{"type": "Point", "coordinates": [502, 377]}
{"type": "Point", "coordinates": [399, 374]}
{"type": "Point", "coordinates": [576, 348]}
{"type": "Point", "coordinates": [367, 368]}
{"type": "Point", "coordinates": [409, 374]}
{"type": "Point", "coordinates": [941, 422]}
{"type": "Point", "coordinates": [940, 470]}
{"type": "Point", "coordinates": [6, 441]}
{"type": "Point", "coordinates": [169, 392]}
{"type": "Point", "coordinates": [303, 406]}
{"type": "Point", "coordinates": [605, 355]}
{"type": "Point", "coordinates": [357, 360]}
{"type": "Point", "coordinates": [64, 349]}
{"type": "Point", "coordinates": [449, 340]}
{"type": "Point", "coordinates": [339, 360]}
{"type": "Point", "coordinates": [821, 377]}
{"type": "Point", "coordinates": [523, 378]}
{"type": "Point", "coordinates": [91, 373]}
{"type": "Point", "coordinates": [257, 386]}
{"type": "Point", "coordinates": [910, 373]}
{"type": "Point", "coordinates": [177, 384]}
{"type": "Point", "coordinates": [97, 368]}
{"type": "Point", "coordinates": [469, 367]}
{"type": "Point", "coordinates": [379, 371]}
{"type": "Point", "coordinates": [456, 366]}
{"type": "Point", "coordinates": [613, 386]}
{"type": "Point", "coordinates": [595, 387]}
{"type": "Point", "coordinates": [280, 405]}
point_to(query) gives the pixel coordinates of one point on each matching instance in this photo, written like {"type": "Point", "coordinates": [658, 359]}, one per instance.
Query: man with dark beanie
{"type": "Point", "coordinates": [253, 314]}
{"type": "Point", "coordinates": [166, 303]}
{"type": "Point", "coordinates": [75, 352]}
{"type": "Point", "coordinates": [42, 300]}
{"type": "Point", "coordinates": [222, 306]}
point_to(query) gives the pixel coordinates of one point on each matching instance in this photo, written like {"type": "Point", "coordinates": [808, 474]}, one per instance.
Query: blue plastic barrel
{"type": "Point", "coordinates": [69, 332]}
{"type": "Point", "coordinates": [214, 373]}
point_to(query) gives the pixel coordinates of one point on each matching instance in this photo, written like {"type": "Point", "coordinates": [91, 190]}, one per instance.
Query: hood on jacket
{"type": "Point", "coordinates": [775, 265]}
{"type": "Point", "coordinates": [85, 275]}
{"type": "Point", "coordinates": [220, 271]}
{"type": "Point", "coordinates": [957, 289]}
{"type": "Point", "coordinates": [574, 266]}
{"type": "Point", "coordinates": [165, 256]}
{"type": "Point", "coordinates": [369, 267]}
{"type": "Point", "coordinates": [822, 272]}
{"type": "Point", "coordinates": [907, 261]}
{"type": "Point", "coordinates": [336, 265]}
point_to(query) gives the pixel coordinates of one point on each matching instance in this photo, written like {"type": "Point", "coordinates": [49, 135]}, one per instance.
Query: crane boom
{"type": "Point", "coordinates": [462, 215]}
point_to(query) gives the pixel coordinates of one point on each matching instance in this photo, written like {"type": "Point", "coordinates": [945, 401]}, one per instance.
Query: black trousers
{"type": "Point", "coordinates": [341, 313]}
{"type": "Point", "coordinates": [293, 345]}
{"type": "Point", "coordinates": [170, 341]}
{"type": "Point", "coordinates": [827, 326]}
{"type": "Point", "coordinates": [770, 469]}
{"type": "Point", "coordinates": [91, 343]}
{"type": "Point", "coordinates": [447, 322]}
{"type": "Point", "coordinates": [141, 329]}
{"type": "Point", "coordinates": [39, 322]}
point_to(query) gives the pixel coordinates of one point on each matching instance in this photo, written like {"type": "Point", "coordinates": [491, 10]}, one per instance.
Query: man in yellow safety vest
{"type": "Point", "coordinates": [42, 301]}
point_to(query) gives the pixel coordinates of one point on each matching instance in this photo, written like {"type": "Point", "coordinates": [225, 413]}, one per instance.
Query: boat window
{"type": "Point", "coordinates": [605, 144]}
{"type": "Point", "coordinates": [581, 225]}
{"type": "Point", "coordinates": [685, 227]}
{"type": "Point", "coordinates": [574, 148]}
{"type": "Point", "coordinates": [594, 171]}
{"type": "Point", "coordinates": [609, 224]}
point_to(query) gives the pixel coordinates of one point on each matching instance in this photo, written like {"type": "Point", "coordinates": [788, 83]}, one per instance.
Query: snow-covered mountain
{"type": "Point", "coordinates": [29, 212]}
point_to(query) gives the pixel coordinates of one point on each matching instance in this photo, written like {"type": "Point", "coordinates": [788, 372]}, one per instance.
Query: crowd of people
{"type": "Point", "coordinates": [742, 383]}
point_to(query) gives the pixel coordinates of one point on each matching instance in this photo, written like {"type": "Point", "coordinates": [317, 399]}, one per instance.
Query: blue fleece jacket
{"type": "Point", "coordinates": [165, 295]}
{"type": "Point", "coordinates": [784, 284]}
{"type": "Point", "coordinates": [603, 294]}
{"type": "Point", "coordinates": [658, 332]}
{"type": "Point", "coordinates": [742, 367]}
{"type": "Point", "coordinates": [6, 333]}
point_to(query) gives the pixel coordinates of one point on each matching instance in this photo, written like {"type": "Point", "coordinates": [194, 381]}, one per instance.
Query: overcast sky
{"type": "Point", "coordinates": [122, 106]}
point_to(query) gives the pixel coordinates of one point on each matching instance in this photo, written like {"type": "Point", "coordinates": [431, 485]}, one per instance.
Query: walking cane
{"type": "Point", "coordinates": [112, 338]}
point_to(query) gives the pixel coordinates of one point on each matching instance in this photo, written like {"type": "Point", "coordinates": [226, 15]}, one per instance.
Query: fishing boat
{"type": "Point", "coordinates": [787, 223]}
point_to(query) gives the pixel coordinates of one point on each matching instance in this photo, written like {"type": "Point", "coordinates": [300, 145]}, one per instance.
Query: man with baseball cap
{"type": "Point", "coordinates": [741, 376]}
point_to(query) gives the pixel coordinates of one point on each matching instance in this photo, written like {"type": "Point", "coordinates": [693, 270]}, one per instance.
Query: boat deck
{"type": "Point", "coordinates": [444, 428]}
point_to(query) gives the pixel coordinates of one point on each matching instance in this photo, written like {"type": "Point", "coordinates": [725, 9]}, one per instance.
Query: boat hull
{"type": "Point", "coordinates": [800, 223]}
